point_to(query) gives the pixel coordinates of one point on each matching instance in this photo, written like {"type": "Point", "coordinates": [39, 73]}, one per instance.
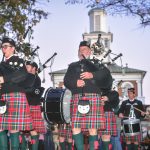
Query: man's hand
{"type": "Point", "coordinates": [121, 115]}
{"type": "Point", "coordinates": [86, 75]}
{"type": "Point", "coordinates": [104, 99]}
{"type": "Point", "coordinates": [80, 83]}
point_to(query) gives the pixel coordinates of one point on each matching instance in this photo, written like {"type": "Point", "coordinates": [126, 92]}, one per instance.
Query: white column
{"type": "Point", "coordinates": [139, 88]}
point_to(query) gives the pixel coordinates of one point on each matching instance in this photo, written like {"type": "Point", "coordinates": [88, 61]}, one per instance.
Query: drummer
{"type": "Point", "coordinates": [131, 109]}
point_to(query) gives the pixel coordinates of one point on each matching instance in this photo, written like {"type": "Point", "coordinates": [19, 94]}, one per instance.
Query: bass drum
{"type": "Point", "coordinates": [57, 105]}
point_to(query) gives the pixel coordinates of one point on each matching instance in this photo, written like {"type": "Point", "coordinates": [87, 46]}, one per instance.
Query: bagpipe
{"type": "Point", "coordinates": [104, 76]}
{"type": "Point", "coordinates": [15, 73]}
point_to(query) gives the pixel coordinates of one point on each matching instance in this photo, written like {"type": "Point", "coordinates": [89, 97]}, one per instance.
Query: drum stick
{"type": "Point", "coordinates": [139, 110]}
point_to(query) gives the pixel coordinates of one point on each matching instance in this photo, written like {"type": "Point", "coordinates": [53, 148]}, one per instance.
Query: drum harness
{"type": "Point", "coordinates": [131, 117]}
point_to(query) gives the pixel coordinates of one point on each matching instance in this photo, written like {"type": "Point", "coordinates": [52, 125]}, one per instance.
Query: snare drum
{"type": "Point", "coordinates": [57, 105]}
{"type": "Point", "coordinates": [131, 127]}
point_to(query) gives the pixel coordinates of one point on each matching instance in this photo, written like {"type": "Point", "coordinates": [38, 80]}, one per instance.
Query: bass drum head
{"type": "Point", "coordinates": [66, 106]}
{"type": "Point", "coordinates": [57, 105]}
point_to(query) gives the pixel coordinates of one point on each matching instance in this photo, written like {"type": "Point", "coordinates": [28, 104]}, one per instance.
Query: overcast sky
{"type": "Point", "coordinates": [63, 30]}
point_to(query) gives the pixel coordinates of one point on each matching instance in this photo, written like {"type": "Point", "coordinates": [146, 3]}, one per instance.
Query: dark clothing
{"type": "Point", "coordinates": [15, 75]}
{"type": "Point", "coordinates": [113, 100]}
{"type": "Point", "coordinates": [126, 105]}
{"type": "Point", "coordinates": [125, 109]}
{"type": "Point", "coordinates": [17, 116]}
{"type": "Point", "coordinates": [34, 94]}
{"type": "Point", "coordinates": [101, 77]}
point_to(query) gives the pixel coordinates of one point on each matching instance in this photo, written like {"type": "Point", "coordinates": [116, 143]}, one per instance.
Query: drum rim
{"type": "Point", "coordinates": [62, 96]}
{"type": "Point", "coordinates": [131, 121]}
{"type": "Point", "coordinates": [132, 134]}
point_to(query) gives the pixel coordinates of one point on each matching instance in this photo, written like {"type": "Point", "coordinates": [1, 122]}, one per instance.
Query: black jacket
{"type": "Point", "coordinates": [35, 92]}
{"type": "Point", "coordinates": [113, 100]}
{"type": "Point", "coordinates": [101, 77]}
{"type": "Point", "coordinates": [15, 75]}
{"type": "Point", "coordinates": [126, 105]}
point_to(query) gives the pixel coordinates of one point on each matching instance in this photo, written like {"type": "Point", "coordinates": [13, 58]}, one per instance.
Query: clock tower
{"type": "Point", "coordinates": [99, 37]}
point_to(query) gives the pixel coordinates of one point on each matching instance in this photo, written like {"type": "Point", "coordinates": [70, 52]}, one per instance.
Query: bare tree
{"type": "Point", "coordinates": [135, 8]}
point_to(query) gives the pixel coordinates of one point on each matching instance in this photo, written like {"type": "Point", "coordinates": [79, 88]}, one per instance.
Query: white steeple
{"type": "Point", "coordinates": [97, 19]}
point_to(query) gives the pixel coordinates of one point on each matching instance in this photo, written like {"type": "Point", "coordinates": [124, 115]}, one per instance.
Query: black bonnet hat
{"type": "Point", "coordinates": [33, 64]}
{"type": "Point", "coordinates": [8, 40]}
{"type": "Point", "coordinates": [84, 43]}
{"type": "Point", "coordinates": [131, 90]}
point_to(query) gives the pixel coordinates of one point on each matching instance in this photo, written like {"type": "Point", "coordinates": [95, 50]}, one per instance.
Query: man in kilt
{"type": "Point", "coordinates": [17, 117]}
{"type": "Point", "coordinates": [65, 135]}
{"type": "Point", "coordinates": [85, 80]}
{"type": "Point", "coordinates": [34, 99]}
{"type": "Point", "coordinates": [124, 112]}
{"type": "Point", "coordinates": [110, 99]}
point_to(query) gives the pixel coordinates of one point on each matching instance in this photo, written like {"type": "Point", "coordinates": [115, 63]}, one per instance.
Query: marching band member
{"type": "Point", "coordinates": [125, 111]}
{"type": "Point", "coordinates": [34, 99]}
{"type": "Point", "coordinates": [85, 80]}
{"type": "Point", "coordinates": [13, 75]}
{"type": "Point", "coordinates": [110, 99]}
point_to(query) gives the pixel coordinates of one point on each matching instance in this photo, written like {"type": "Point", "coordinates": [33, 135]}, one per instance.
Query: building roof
{"type": "Point", "coordinates": [62, 71]}
{"type": "Point", "coordinates": [114, 68]}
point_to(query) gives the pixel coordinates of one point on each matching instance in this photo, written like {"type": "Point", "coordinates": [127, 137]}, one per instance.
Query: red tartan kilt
{"type": "Point", "coordinates": [94, 119]}
{"type": "Point", "coordinates": [65, 131]}
{"type": "Point", "coordinates": [38, 121]}
{"type": "Point", "coordinates": [17, 116]}
{"type": "Point", "coordinates": [132, 139]}
{"type": "Point", "coordinates": [111, 124]}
